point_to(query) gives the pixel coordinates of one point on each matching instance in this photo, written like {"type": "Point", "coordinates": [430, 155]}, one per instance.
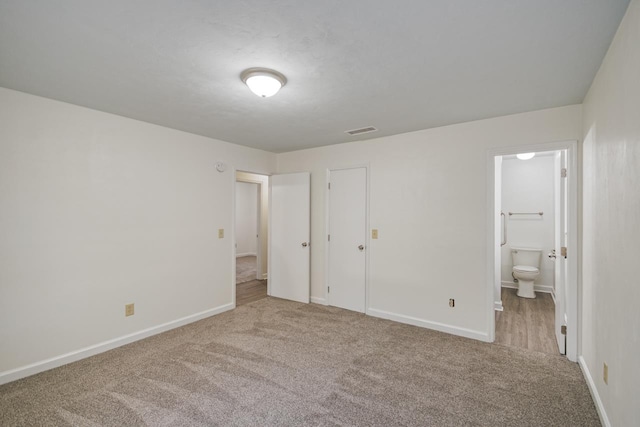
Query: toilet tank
{"type": "Point", "coordinates": [526, 256]}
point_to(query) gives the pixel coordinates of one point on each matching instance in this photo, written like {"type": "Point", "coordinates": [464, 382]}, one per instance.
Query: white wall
{"type": "Point", "coordinates": [528, 186]}
{"type": "Point", "coordinates": [428, 198]}
{"type": "Point", "coordinates": [246, 219]}
{"type": "Point", "coordinates": [263, 232]}
{"type": "Point", "coordinates": [97, 211]}
{"type": "Point", "coordinates": [611, 223]}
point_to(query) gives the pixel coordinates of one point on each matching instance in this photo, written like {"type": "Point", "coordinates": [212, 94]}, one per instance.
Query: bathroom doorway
{"type": "Point", "coordinates": [533, 240]}
{"type": "Point", "coordinates": [251, 236]}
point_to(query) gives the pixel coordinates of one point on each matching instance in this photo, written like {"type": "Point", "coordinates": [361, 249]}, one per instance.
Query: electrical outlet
{"type": "Point", "coordinates": [374, 233]}
{"type": "Point", "coordinates": [605, 373]}
{"type": "Point", "coordinates": [452, 302]}
{"type": "Point", "coordinates": [221, 233]}
{"type": "Point", "coordinates": [128, 310]}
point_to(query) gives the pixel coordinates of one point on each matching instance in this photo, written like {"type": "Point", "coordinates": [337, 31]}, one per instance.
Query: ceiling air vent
{"type": "Point", "coordinates": [360, 131]}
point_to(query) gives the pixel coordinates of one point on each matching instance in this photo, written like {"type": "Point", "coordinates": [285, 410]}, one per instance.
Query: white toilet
{"type": "Point", "coordinates": [526, 268]}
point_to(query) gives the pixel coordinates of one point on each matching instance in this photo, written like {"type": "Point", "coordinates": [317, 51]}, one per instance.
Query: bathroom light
{"type": "Point", "coordinates": [263, 81]}
{"type": "Point", "coordinates": [525, 156]}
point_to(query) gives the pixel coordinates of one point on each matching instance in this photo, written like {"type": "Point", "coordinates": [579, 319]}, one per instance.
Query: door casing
{"type": "Point", "coordinates": [262, 253]}
{"type": "Point", "coordinates": [573, 287]}
{"type": "Point", "coordinates": [560, 294]}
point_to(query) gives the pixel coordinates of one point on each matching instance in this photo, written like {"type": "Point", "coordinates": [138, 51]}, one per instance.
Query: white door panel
{"type": "Point", "coordinates": [347, 244]}
{"type": "Point", "coordinates": [289, 232]}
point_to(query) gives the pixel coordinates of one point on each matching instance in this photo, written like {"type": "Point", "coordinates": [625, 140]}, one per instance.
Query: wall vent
{"type": "Point", "coordinates": [354, 132]}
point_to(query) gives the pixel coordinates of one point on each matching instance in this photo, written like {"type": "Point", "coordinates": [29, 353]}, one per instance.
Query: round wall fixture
{"type": "Point", "coordinates": [263, 81]}
{"type": "Point", "coordinates": [221, 167]}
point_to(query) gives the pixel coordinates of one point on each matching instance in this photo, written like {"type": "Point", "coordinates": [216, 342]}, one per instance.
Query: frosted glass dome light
{"type": "Point", "coordinates": [525, 156]}
{"type": "Point", "coordinates": [263, 81]}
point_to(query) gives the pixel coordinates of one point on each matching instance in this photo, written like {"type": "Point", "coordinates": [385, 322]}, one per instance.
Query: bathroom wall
{"type": "Point", "coordinates": [246, 218]}
{"type": "Point", "coordinates": [528, 186]}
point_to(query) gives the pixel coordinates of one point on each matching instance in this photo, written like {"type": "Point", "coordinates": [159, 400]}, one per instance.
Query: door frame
{"type": "Point", "coordinates": [560, 267]}
{"type": "Point", "coordinates": [367, 239]}
{"type": "Point", "coordinates": [574, 261]}
{"type": "Point", "coordinates": [232, 232]}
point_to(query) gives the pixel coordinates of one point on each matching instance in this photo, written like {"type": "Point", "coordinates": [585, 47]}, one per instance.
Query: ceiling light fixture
{"type": "Point", "coordinates": [263, 81]}
{"type": "Point", "coordinates": [525, 156]}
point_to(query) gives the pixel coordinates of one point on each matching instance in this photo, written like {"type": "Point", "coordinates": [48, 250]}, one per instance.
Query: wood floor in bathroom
{"type": "Point", "coordinates": [247, 288]}
{"type": "Point", "coordinates": [250, 291]}
{"type": "Point", "coordinates": [527, 323]}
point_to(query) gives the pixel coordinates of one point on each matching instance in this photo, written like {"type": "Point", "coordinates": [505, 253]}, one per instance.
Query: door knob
{"type": "Point", "coordinates": [304, 244]}
{"type": "Point", "coordinates": [361, 248]}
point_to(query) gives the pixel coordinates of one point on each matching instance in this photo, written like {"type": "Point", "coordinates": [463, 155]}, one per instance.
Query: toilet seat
{"type": "Point", "coordinates": [525, 269]}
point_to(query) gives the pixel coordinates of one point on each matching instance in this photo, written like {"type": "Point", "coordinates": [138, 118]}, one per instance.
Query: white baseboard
{"type": "Point", "coordinates": [318, 300]}
{"type": "Point", "coordinates": [54, 362]}
{"type": "Point", "coordinates": [497, 306]}
{"type": "Point", "coordinates": [604, 419]}
{"type": "Point", "coordinates": [453, 330]}
{"type": "Point", "coordinates": [537, 288]}
{"type": "Point", "coordinates": [240, 255]}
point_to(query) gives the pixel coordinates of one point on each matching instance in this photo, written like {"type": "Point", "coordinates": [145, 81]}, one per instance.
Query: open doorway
{"type": "Point", "coordinates": [533, 242]}
{"type": "Point", "coordinates": [251, 236]}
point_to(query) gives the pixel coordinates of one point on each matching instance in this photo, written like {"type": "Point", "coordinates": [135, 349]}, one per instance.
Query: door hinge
{"type": "Point", "coordinates": [563, 329]}
{"type": "Point", "coordinates": [328, 237]}
{"type": "Point", "coordinates": [328, 289]}
{"type": "Point", "coordinates": [563, 251]}
{"type": "Point", "coordinates": [329, 186]}
{"type": "Point", "coordinates": [563, 172]}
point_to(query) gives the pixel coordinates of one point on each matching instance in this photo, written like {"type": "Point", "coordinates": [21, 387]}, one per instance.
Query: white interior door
{"type": "Point", "coordinates": [561, 227]}
{"type": "Point", "coordinates": [347, 238]}
{"type": "Point", "coordinates": [289, 220]}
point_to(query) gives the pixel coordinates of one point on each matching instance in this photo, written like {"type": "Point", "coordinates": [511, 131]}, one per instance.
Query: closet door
{"type": "Point", "coordinates": [347, 238]}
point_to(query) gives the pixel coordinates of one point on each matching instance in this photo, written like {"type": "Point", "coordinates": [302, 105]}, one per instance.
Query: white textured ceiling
{"type": "Point", "coordinates": [396, 65]}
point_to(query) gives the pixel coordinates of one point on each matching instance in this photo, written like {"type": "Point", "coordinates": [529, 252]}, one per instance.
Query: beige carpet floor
{"type": "Point", "coordinates": [275, 362]}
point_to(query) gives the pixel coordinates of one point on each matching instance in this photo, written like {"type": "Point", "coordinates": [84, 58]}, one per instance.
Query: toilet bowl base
{"type": "Point", "coordinates": [525, 289]}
